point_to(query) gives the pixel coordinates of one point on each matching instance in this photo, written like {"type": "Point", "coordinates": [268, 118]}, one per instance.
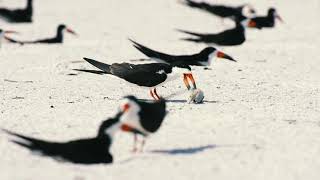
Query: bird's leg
{"type": "Point", "coordinates": [143, 142]}
{"type": "Point", "coordinates": [151, 93]}
{"type": "Point", "coordinates": [186, 82]}
{"type": "Point", "coordinates": [190, 76]}
{"type": "Point", "coordinates": [155, 93]}
{"type": "Point", "coordinates": [135, 139]}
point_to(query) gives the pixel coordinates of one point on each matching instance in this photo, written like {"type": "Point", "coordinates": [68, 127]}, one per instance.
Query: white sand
{"type": "Point", "coordinates": [261, 118]}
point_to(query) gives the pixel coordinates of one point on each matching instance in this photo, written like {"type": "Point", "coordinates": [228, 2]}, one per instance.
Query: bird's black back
{"type": "Point", "coordinates": [148, 75]}
{"type": "Point", "coordinates": [151, 114]}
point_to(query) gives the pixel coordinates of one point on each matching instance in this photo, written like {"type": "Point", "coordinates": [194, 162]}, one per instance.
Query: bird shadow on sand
{"type": "Point", "coordinates": [184, 151]}
{"type": "Point", "coordinates": [182, 101]}
{"type": "Point", "coordinates": [195, 150]}
{"type": "Point", "coordinates": [188, 151]}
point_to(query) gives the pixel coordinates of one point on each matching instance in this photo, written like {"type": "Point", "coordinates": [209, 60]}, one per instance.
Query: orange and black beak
{"type": "Point", "coordinates": [186, 78]}
{"type": "Point", "coordinates": [71, 31]}
{"type": "Point", "coordinates": [225, 56]}
{"type": "Point", "coordinates": [11, 32]}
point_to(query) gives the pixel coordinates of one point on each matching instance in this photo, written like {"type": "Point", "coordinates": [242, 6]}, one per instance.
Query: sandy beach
{"type": "Point", "coordinates": [260, 118]}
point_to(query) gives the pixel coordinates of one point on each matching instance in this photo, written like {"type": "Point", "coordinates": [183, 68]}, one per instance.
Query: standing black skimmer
{"type": "Point", "coordinates": [140, 117]}
{"type": "Point", "coordinates": [221, 10]}
{"type": "Point", "coordinates": [203, 58]}
{"type": "Point", "coordinates": [267, 21]}
{"type": "Point", "coordinates": [3, 34]}
{"type": "Point", "coordinates": [83, 151]}
{"type": "Point", "coordinates": [18, 15]}
{"type": "Point", "coordinates": [55, 40]}
{"type": "Point", "coordinates": [144, 75]}
{"type": "Point", "coordinates": [230, 37]}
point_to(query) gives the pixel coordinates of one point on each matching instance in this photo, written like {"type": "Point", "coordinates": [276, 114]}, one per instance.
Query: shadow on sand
{"type": "Point", "coordinates": [181, 101]}
{"type": "Point", "coordinates": [184, 151]}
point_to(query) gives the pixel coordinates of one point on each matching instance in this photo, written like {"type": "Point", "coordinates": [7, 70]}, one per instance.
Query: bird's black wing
{"type": "Point", "coordinates": [33, 144]}
{"type": "Point", "coordinates": [171, 59]}
{"type": "Point", "coordinates": [148, 75]}
{"type": "Point", "coordinates": [91, 71]}
{"type": "Point", "coordinates": [152, 53]}
{"type": "Point", "coordinates": [152, 114]}
{"type": "Point", "coordinates": [102, 66]}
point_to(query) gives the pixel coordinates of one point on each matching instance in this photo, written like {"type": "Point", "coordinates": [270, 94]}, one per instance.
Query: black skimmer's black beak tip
{"type": "Point", "coordinates": [71, 31]}
{"type": "Point", "coordinates": [225, 56]}
{"type": "Point", "coordinates": [279, 18]}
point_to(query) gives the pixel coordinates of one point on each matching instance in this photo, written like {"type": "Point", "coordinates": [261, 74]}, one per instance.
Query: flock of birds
{"type": "Point", "coordinates": [136, 116]}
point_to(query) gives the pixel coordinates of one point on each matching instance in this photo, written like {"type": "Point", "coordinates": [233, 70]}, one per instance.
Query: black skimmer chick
{"type": "Point", "coordinates": [267, 21]}
{"type": "Point", "coordinates": [83, 151]}
{"type": "Point", "coordinates": [230, 37]}
{"type": "Point", "coordinates": [203, 58]}
{"type": "Point", "coordinates": [143, 75]}
{"type": "Point", "coordinates": [18, 15]}
{"type": "Point", "coordinates": [55, 40]}
{"type": "Point", "coordinates": [223, 11]}
{"type": "Point", "coordinates": [3, 34]}
{"type": "Point", "coordinates": [142, 118]}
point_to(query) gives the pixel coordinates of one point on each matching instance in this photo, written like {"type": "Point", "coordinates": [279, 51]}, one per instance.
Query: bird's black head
{"type": "Point", "coordinates": [271, 11]}
{"type": "Point", "coordinates": [110, 126]}
{"type": "Point", "coordinates": [132, 98]}
{"type": "Point", "coordinates": [63, 27]}
{"type": "Point", "coordinates": [208, 50]}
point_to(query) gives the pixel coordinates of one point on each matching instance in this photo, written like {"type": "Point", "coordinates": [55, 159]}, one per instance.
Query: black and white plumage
{"type": "Point", "coordinates": [267, 21]}
{"type": "Point", "coordinates": [18, 15]}
{"type": "Point", "coordinates": [203, 58]}
{"type": "Point", "coordinates": [83, 151]}
{"type": "Point", "coordinates": [221, 10]}
{"type": "Point", "coordinates": [58, 39]}
{"type": "Point", "coordinates": [140, 117]}
{"type": "Point", "coordinates": [144, 75]}
{"type": "Point", "coordinates": [229, 37]}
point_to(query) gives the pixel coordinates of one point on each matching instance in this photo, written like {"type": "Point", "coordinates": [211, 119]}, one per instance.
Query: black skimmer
{"type": "Point", "coordinates": [267, 21]}
{"type": "Point", "coordinates": [230, 37]}
{"type": "Point", "coordinates": [18, 15]}
{"type": "Point", "coordinates": [83, 151]}
{"type": "Point", "coordinates": [142, 118]}
{"type": "Point", "coordinates": [55, 40]}
{"type": "Point", "coordinates": [143, 75]}
{"type": "Point", "coordinates": [3, 34]}
{"type": "Point", "coordinates": [223, 11]}
{"type": "Point", "coordinates": [203, 58]}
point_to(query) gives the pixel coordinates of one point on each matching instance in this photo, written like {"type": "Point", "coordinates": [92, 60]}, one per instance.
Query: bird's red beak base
{"type": "Point", "coordinates": [252, 23]}
{"type": "Point", "coordinates": [125, 107]}
{"type": "Point", "coordinates": [126, 128]}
